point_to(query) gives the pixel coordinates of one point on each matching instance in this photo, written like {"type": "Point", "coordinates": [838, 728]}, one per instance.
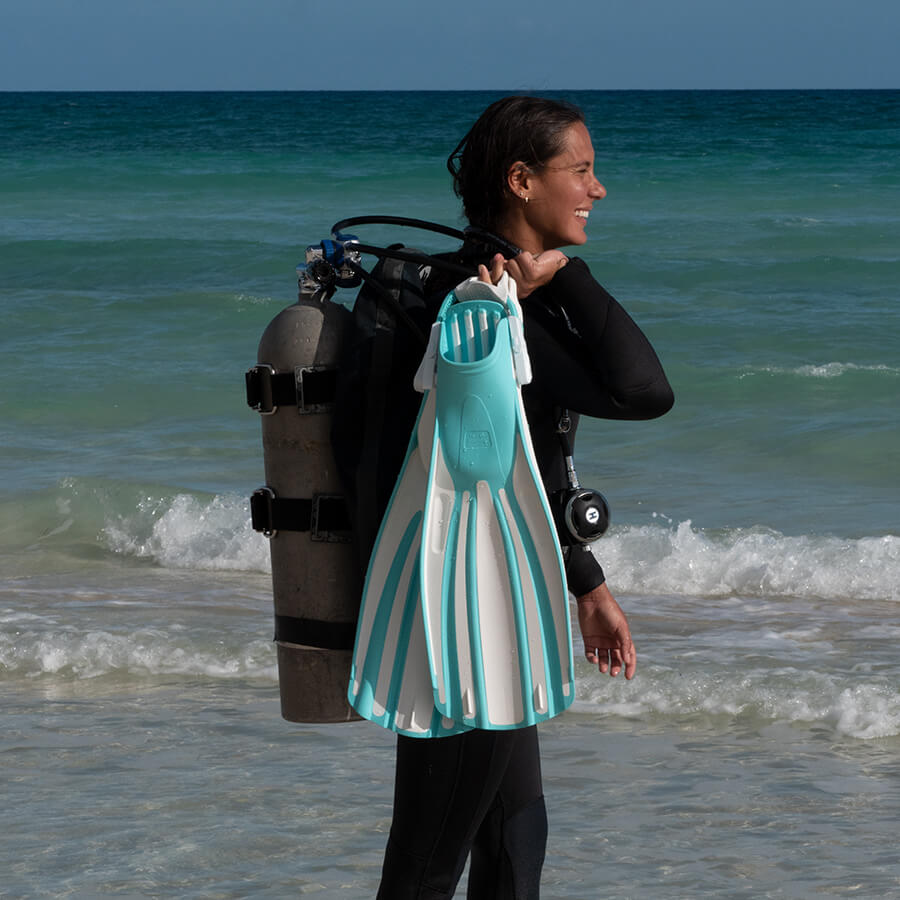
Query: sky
{"type": "Point", "coordinates": [469, 44]}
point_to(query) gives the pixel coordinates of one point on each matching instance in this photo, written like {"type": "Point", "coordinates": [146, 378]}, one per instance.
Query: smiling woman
{"type": "Point", "coordinates": [525, 173]}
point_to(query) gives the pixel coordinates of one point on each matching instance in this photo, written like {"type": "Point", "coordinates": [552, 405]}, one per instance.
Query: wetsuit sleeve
{"type": "Point", "coordinates": [608, 370]}
{"type": "Point", "coordinates": [583, 572]}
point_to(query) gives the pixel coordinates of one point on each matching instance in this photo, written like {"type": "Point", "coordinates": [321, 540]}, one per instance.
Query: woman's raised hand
{"type": "Point", "coordinates": [528, 271]}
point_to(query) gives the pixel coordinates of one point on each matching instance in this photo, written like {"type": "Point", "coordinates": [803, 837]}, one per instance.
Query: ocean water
{"type": "Point", "coordinates": [145, 242]}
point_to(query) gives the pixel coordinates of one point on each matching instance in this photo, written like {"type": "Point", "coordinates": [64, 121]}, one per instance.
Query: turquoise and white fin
{"type": "Point", "coordinates": [493, 586]}
{"type": "Point", "coordinates": [390, 679]}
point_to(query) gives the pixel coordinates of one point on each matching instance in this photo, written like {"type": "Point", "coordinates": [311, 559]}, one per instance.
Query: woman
{"type": "Point", "coordinates": [525, 174]}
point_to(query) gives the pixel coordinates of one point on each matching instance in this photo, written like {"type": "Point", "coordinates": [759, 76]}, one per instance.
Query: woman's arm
{"type": "Point", "coordinates": [609, 369]}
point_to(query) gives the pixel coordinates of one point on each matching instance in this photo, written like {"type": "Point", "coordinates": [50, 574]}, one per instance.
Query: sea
{"type": "Point", "coordinates": [146, 239]}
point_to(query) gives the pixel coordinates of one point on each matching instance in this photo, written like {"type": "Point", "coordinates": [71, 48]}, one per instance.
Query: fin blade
{"type": "Point", "coordinates": [550, 589]}
{"type": "Point", "coordinates": [390, 680]}
{"type": "Point", "coordinates": [498, 601]}
{"type": "Point", "coordinates": [441, 517]}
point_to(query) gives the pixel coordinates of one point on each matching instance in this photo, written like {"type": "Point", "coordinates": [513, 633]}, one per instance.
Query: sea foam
{"type": "Point", "coordinates": [187, 531]}
{"type": "Point", "coordinates": [190, 532]}
{"type": "Point", "coordinates": [864, 710]}
{"type": "Point", "coordinates": [76, 654]}
{"type": "Point", "coordinates": [821, 370]}
{"type": "Point", "coordinates": [756, 562]}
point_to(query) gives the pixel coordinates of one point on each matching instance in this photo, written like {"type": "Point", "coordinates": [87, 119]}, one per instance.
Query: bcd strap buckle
{"type": "Point", "coordinates": [324, 516]}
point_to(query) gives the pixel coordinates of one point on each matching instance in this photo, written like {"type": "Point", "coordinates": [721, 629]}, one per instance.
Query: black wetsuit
{"type": "Point", "coordinates": [480, 792]}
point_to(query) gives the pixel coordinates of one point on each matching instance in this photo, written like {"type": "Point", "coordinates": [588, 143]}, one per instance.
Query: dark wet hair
{"type": "Point", "coordinates": [526, 129]}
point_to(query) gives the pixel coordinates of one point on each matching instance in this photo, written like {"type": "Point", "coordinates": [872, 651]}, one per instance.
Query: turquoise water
{"type": "Point", "coordinates": [145, 242]}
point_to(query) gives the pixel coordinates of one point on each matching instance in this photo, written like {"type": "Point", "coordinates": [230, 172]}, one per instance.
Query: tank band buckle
{"type": "Point", "coordinates": [316, 387]}
{"type": "Point", "coordinates": [329, 520]}
{"type": "Point", "coordinates": [260, 382]}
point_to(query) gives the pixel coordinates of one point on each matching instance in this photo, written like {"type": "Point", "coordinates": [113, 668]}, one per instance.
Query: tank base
{"type": "Point", "coordinates": [314, 683]}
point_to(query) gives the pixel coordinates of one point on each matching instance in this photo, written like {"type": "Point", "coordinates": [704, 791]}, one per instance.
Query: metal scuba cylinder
{"type": "Point", "coordinates": [315, 577]}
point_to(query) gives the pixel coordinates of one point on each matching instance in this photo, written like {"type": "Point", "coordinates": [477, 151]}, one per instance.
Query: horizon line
{"type": "Point", "coordinates": [667, 90]}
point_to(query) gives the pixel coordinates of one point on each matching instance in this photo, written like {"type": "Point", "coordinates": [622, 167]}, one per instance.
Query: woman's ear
{"type": "Point", "coordinates": [518, 179]}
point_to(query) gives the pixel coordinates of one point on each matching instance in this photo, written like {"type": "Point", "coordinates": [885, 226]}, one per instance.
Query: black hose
{"type": "Point", "coordinates": [397, 220]}
{"type": "Point", "coordinates": [414, 256]}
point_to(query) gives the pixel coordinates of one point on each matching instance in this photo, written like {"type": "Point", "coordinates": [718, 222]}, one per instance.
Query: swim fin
{"type": "Point", "coordinates": [493, 588]}
{"type": "Point", "coordinates": [464, 621]}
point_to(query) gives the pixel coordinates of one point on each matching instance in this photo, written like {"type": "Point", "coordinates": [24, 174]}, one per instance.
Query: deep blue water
{"type": "Point", "coordinates": [145, 242]}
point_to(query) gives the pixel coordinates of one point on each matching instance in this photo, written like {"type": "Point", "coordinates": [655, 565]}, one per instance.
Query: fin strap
{"type": "Point", "coordinates": [427, 371]}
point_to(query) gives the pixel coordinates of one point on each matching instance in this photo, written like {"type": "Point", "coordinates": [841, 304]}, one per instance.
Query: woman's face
{"type": "Point", "coordinates": [560, 195]}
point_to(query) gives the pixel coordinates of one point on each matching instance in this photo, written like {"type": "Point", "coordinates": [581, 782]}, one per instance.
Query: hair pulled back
{"type": "Point", "coordinates": [515, 129]}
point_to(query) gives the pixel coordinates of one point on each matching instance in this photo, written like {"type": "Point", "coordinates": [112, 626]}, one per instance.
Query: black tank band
{"type": "Point", "coordinates": [324, 516]}
{"type": "Point", "coordinates": [315, 633]}
{"type": "Point", "coordinates": [310, 389]}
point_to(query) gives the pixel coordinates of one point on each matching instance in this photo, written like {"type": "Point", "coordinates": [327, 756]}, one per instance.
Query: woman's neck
{"type": "Point", "coordinates": [515, 229]}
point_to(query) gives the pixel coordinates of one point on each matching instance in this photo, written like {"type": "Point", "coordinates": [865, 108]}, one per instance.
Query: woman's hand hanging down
{"type": "Point", "coordinates": [528, 271]}
{"type": "Point", "coordinates": [607, 637]}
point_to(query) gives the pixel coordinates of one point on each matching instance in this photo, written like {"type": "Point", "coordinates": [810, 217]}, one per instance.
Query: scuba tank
{"type": "Point", "coordinates": [315, 579]}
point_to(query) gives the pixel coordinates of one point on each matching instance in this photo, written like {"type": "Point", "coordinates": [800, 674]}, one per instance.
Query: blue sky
{"type": "Point", "coordinates": [489, 44]}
